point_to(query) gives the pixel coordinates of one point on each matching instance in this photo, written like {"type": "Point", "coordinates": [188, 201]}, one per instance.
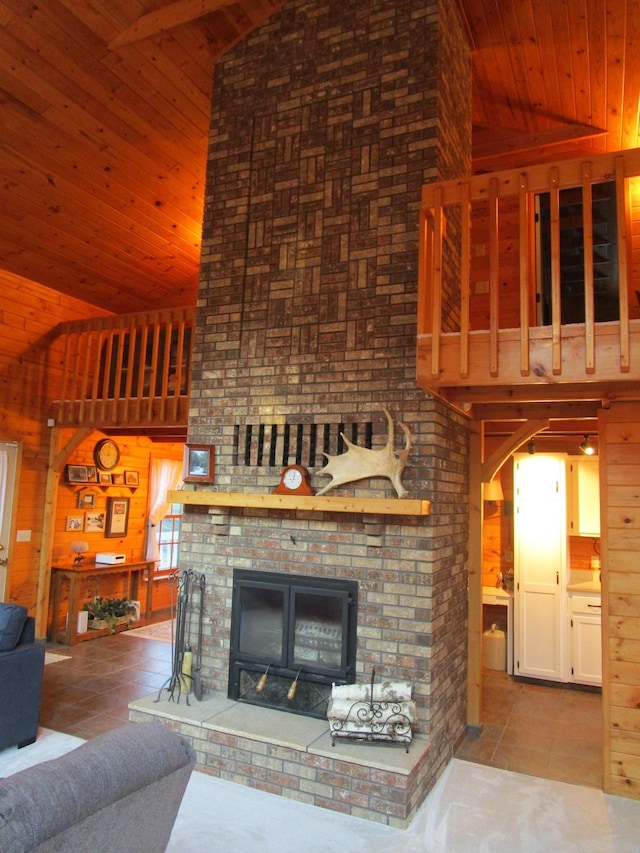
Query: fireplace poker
{"type": "Point", "coordinates": [197, 682]}
{"type": "Point", "coordinates": [176, 678]}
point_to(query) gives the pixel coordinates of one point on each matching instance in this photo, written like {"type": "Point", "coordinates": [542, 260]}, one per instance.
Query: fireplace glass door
{"type": "Point", "coordinates": [291, 637]}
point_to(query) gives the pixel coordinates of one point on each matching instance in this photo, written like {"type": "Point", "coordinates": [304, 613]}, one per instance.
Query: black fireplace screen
{"type": "Point", "coordinates": [291, 637]}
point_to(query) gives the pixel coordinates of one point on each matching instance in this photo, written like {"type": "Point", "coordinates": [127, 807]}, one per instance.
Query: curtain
{"type": "Point", "coordinates": [165, 474]}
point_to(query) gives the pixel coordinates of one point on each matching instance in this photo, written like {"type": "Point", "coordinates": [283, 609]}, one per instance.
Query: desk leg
{"type": "Point", "coordinates": [71, 634]}
{"type": "Point", "coordinates": [56, 582]}
{"type": "Point", "coordinates": [149, 603]}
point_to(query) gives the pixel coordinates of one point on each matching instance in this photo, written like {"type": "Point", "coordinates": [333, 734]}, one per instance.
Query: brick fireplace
{"type": "Point", "coordinates": [326, 122]}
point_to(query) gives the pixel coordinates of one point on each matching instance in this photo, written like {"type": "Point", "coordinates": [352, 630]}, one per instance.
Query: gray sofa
{"type": "Point", "coordinates": [21, 670]}
{"type": "Point", "coordinates": [120, 791]}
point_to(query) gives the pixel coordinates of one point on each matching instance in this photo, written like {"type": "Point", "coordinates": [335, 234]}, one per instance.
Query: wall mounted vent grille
{"type": "Point", "coordinates": [277, 445]}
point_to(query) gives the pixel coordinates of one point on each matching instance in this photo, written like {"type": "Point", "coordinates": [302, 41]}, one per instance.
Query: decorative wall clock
{"type": "Point", "coordinates": [106, 454]}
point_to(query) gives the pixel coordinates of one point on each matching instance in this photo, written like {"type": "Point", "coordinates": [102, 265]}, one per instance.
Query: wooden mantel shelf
{"type": "Point", "coordinates": [310, 503]}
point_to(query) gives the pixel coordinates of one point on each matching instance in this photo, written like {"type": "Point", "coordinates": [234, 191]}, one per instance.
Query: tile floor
{"type": "Point", "coordinates": [544, 731]}
{"type": "Point", "coordinates": [90, 693]}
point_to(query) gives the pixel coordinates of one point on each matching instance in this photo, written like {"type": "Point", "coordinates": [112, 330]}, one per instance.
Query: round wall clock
{"type": "Point", "coordinates": [294, 480]}
{"type": "Point", "coordinates": [106, 454]}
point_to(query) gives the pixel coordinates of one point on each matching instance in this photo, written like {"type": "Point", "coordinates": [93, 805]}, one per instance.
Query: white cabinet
{"type": "Point", "coordinates": [585, 638]}
{"type": "Point", "coordinates": [584, 496]}
{"type": "Point", "coordinates": [540, 553]}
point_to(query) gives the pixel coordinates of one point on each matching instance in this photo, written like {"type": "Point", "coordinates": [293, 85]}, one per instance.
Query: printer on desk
{"type": "Point", "coordinates": [111, 559]}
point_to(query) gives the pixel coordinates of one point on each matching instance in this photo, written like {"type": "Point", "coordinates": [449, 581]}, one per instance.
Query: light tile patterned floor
{"type": "Point", "coordinates": [539, 729]}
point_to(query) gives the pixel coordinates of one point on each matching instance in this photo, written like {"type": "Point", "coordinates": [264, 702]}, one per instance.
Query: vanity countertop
{"type": "Point", "coordinates": [584, 586]}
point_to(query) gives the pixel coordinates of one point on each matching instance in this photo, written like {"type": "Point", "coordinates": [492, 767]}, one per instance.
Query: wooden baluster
{"type": "Point", "coordinates": [623, 218]}
{"type": "Point", "coordinates": [154, 369]}
{"type": "Point", "coordinates": [142, 367]}
{"type": "Point", "coordinates": [587, 242]}
{"type": "Point", "coordinates": [556, 302]}
{"type": "Point", "coordinates": [84, 346]}
{"type": "Point", "coordinates": [436, 299]}
{"type": "Point", "coordinates": [425, 255]}
{"type": "Point", "coordinates": [527, 282]}
{"type": "Point", "coordinates": [132, 336]}
{"type": "Point", "coordinates": [494, 283]}
{"type": "Point", "coordinates": [465, 278]}
{"type": "Point", "coordinates": [101, 339]}
{"type": "Point", "coordinates": [65, 386]}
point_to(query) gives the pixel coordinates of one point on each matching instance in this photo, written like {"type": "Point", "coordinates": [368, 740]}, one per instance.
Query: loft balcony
{"type": "Point", "coordinates": [124, 372]}
{"type": "Point", "coordinates": [529, 284]}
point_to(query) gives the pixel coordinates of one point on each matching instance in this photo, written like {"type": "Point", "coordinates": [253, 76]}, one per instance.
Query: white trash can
{"type": "Point", "coordinates": [494, 649]}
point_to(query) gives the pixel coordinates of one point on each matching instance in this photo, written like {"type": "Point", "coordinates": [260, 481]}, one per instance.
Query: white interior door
{"type": "Point", "coordinates": [540, 559]}
{"type": "Point", "coordinates": [8, 464]}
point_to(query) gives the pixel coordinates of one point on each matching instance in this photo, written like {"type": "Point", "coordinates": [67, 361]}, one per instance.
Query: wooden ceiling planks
{"type": "Point", "coordinates": [103, 149]}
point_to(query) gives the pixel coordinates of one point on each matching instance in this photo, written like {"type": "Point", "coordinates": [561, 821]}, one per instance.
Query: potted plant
{"type": "Point", "coordinates": [109, 612]}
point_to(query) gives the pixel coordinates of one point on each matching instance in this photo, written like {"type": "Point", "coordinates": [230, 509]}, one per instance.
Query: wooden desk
{"type": "Point", "coordinates": [72, 575]}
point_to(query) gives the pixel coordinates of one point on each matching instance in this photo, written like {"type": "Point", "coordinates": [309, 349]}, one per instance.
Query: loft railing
{"type": "Point", "coordinates": [127, 370]}
{"type": "Point", "coordinates": [513, 289]}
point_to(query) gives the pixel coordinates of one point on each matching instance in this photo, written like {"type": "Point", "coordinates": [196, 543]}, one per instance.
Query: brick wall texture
{"type": "Point", "coordinates": [326, 122]}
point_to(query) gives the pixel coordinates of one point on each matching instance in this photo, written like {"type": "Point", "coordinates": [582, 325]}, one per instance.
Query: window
{"type": "Point", "coordinates": [169, 539]}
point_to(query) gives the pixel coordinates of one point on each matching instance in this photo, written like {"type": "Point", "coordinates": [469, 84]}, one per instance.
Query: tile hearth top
{"type": "Point", "coordinates": [291, 731]}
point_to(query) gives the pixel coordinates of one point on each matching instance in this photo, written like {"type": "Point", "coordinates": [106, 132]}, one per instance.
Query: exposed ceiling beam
{"type": "Point", "coordinates": [492, 465]}
{"type": "Point", "coordinates": [166, 18]}
{"type": "Point", "coordinates": [559, 411]}
{"type": "Point", "coordinates": [496, 142]}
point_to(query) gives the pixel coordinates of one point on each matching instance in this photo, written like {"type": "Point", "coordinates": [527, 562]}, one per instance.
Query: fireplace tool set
{"type": "Point", "coordinates": [187, 588]}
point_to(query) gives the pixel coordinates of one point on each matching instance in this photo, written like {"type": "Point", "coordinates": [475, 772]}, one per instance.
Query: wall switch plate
{"type": "Point", "coordinates": [23, 536]}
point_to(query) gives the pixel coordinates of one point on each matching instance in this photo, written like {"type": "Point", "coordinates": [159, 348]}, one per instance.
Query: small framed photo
{"type": "Point", "coordinates": [131, 478]}
{"type": "Point", "coordinates": [105, 478]}
{"type": "Point", "coordinates": [75, 523]}
{"type": "Point", "coordinates": [198, 463]}
{"type": "Point", "coordinates": [86, 500]}
{"type": "Point", "coordinates": [118, 479]}
{"type": "Point", "coordinates": [117, 517]}
{"type": "Point", "coordinates": [92, 474]}
{"type": "Point", "coordinates": [94, 522]}
{"type": "Point", "coordinates": [77, 474]}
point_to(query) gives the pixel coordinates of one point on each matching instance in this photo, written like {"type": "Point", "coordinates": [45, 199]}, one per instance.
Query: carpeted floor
{"type": "Point", "coordinates": [472, 809]}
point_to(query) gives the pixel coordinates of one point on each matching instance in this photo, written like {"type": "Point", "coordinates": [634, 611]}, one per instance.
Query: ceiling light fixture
{"type": "Point", "coordinates": [586, 447]}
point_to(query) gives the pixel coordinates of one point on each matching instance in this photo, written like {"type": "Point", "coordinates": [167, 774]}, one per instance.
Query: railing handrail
{"type": "Point", "coordinates": [125, 369]}
{"type": "Point", "coordinates": [455, 198]}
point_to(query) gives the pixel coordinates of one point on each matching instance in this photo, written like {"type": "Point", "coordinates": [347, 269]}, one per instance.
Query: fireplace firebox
{"type": "Point", "coordinates": [292, 637]}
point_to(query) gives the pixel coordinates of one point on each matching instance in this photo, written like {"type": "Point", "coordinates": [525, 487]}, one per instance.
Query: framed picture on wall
{"type": "Point", "coordinates": [131, 478]}
{"type": "Point", "coordinates": [105, 479]}
{"type": "Point", "coordinates": [198, 463]}
{"type": "Point", "coordinates": [86, 500]}
{"type": "Point", "coordinates": [94, 522]}
{"type": "Point", "coordinates": [75, 523]}
{"type": "Point", "coordinates": [77, 474]}
{"type": "Point", "coordinates": [117, 517]}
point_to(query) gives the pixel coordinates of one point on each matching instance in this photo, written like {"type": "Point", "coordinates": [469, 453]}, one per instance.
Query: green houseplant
{"type": "Point", "coordinates": [109, 612]}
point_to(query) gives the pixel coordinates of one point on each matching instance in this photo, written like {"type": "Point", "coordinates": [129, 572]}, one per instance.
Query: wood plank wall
{"type": "Point", "coordinates": [29, 375]}
{"type": "Point", "coordinates": [620, 495]}
{"type": "Point", "coordinates": [135, 455]}
{"type": "Point", "coordinates": [28, 313]}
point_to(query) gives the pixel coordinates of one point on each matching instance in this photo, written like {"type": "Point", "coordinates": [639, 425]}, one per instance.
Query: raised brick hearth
{"type": "Point", "coordinates": [326, 122]}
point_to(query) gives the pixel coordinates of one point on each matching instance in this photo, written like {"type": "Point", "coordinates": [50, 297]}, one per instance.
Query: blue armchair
{"type": "Point", "coordinates": [21, 671]}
